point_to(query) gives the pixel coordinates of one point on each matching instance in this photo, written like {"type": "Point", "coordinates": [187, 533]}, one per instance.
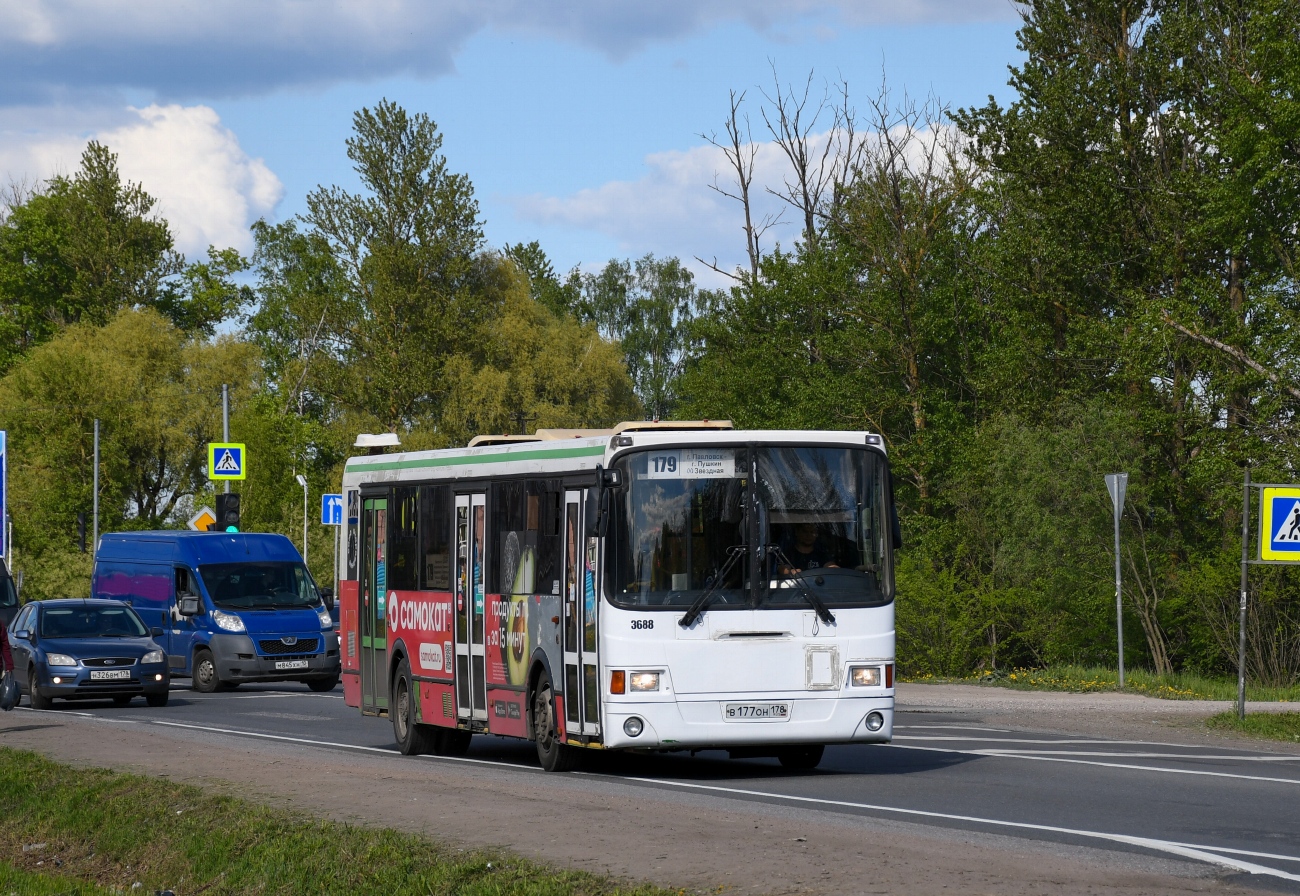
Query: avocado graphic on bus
{"type": "Point", "coordinates": [515, 645]}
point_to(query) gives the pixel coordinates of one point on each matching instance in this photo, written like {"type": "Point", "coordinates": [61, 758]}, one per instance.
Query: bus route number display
{"type": "Point", "coordinates": [692, 463]}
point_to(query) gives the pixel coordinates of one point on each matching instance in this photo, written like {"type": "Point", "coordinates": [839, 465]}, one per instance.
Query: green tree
{"type": "Point", "coordinates": [157, 395]}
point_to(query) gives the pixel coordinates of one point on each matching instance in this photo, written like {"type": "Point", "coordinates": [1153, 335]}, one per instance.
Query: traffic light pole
{"type": "Point", "coordinates": [225, 420]}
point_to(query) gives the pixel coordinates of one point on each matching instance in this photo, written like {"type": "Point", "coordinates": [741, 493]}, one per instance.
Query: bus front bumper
{"type": "Point", "coordinates": [703, 724]}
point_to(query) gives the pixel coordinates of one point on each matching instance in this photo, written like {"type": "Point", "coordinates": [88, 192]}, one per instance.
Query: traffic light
{"type": "Point", "coordinates": [228, 513]}
{"type": "Point", "coordinates": [81, 531]}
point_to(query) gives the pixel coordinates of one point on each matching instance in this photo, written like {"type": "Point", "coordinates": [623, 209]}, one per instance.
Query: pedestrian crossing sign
{"type": "Point", "coordinates": [226, 461]}
{"type": "Point", "coordinates": [1279, 529]}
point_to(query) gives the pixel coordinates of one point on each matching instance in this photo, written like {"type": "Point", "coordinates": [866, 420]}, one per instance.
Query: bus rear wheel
{"type": "Point", "coordinates": [553, 755]}
{"type": "Point", "coordinates": [412, 737]}
{"type": "Point", "coordinates": [801, 758]}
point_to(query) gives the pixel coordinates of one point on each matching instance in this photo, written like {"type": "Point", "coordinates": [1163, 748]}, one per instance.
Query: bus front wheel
{"type": "Point", "coordinates": [553, 755]}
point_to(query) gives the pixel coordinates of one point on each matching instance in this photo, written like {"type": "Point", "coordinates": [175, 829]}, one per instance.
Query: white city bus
{"type": "Point", "coordinates": [656, 586]}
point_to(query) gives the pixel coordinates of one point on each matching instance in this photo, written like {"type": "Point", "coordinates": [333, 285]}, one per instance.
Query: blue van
{"type": "Point", "coordinates": [233, 607]}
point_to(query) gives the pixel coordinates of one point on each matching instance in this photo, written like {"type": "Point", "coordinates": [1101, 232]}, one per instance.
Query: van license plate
{"type": "Point", "coordinates": [109, 674]}
{"type": "Point", "coordinates": [291, 664]}
{"type": "Point", "coordinates": [756, 712]}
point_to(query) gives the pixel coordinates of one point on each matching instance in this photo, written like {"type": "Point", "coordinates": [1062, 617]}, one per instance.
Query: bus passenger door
{"type": "Point", "coordinates": [370, 613]}
{"type": "Point", "coordinates": [471, 653]}
{"type": "Point", "coordinates": [581, 684]}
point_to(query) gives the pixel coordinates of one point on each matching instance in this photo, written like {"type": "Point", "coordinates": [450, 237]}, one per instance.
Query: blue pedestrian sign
{"type": "Point", "coordinates": [226, 460]}
{"type": "Point", "coordinates": [4, 495]}
{"type": "Point", "coordinates": [331, 510]}
{"type": "Point", "coordinates": [1279, 531]}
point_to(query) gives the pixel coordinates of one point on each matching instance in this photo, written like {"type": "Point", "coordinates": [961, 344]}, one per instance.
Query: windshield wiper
{"type": "Point", "coordinates": [695, 610]}
{"type": "Point", "coordinates": [823, 611]}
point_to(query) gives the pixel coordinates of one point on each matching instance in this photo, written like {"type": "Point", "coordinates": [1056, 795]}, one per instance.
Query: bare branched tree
{"type": "Point", "coordinates": [740, 151]}
{"type": "Point", "coordinates": [792, 122]}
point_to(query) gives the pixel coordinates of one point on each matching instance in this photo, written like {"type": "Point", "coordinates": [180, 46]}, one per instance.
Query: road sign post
{"type": "Point", "coordinates": [1117, 485]}
{"type": "Point", "coordinates": [4, 495]}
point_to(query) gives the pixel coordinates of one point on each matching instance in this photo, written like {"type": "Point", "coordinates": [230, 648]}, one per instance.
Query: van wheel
{"type": "Point", "coordinates": [205, 679]}
{"type": "Point", "coordinates": [412, 737]}
{"type": "Point", "coordinates": [33, 696]}
{"type": "Point", "coordinates": [553, 755]}
{"type": "Point", "coordinates": [802, 758]}
{"type": "Point", "coordinates": [321, 685]}
{"type": "Point", "coordinates": [451, 742]}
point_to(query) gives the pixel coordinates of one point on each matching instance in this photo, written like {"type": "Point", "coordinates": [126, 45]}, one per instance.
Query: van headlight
{"type": "Point", "coordinates": [228, 621]}
{"type": "Point", "coordinates": [864, 676]}
{"type": "Point", "coordinates": [643, 681]}
{"type": "Point", "coordinates": [326, 621]}
{"type": "Point", "coordinates": [59, 659]}
{"type": "Point", "coordinates": [153, 656]}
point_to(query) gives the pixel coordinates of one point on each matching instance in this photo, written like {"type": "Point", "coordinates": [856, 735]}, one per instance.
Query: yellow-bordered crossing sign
{"type": "Point", "coordinates": [1279, 524]}
{"type": "Point", "coordinates": [226, 460]}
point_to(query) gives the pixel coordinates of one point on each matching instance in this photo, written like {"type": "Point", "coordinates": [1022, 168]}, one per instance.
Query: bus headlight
{"type": "Point", "coordinates": [874, 721]}
{"type": "Point", "coordinates": [644, 681]}
{"type": "Point", "coordinates": [633, 727]}
{"type": "Point", "coordinates": [864, 677]}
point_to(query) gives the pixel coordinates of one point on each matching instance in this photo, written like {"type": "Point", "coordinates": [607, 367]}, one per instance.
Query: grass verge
{"type": "Point", "coordinates": [90, 832]}
{"type": "Point", "coordinates": [1082, 679]}
{"type": "Point", "coordinates": [1270, 725]}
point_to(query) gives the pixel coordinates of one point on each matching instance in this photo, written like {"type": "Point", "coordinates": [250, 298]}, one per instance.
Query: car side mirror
{"type": "Point", "coordinates": [23, 634]}
{"type": "Point", "coordinates": [156, 632]}
{"type": "Point", "coordinates": [188, 605]}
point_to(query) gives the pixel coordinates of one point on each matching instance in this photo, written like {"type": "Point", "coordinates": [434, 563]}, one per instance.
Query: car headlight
{"type": "Point", "coordinates": [864, 676]}
{"type": "Point", "coordinates": [228, 621]}
{"type": "Point", "coordinates": [644, 681]}
{"type": "Point", "coordinates": [326, 621]}
{"type": "Point", "coordinates": [59, 659]}
{"type": "Point", "coordinates": [153, 656]}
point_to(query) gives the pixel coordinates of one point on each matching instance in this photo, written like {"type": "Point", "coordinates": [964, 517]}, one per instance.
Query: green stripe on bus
{"type": "Point", "coordinates": [358, 464]}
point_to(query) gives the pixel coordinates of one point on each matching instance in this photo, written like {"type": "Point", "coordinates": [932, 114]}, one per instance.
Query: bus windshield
{"type": "Point", "coordinates": [756, 527]}
{"type": "Point", "coordinates": [259, 586]}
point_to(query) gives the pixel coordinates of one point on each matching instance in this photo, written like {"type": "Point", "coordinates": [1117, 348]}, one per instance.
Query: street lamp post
{"type": "Point", "coordinates": [302, 480]}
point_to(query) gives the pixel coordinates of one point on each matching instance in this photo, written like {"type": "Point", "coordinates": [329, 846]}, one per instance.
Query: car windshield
{"type": "Point", "coordinates": [259, 586]}
{"type": "Point", "coordinates": [693, 524]}
{"type": "Point", "coordinates": [91, 622]}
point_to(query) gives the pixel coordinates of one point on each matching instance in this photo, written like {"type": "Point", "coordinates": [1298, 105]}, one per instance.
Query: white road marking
{"type": "Point", "coordinates": [948, 728]}
{"type": "Point", "coordinates": [1190, 851]}
{"type": "Point", "coordinates": [327, 743]}
{"type": "Point", "coordinates": [1123, 755]}
{"type": "Point", "coordinates": [1068, 742]}
{"type": "Point", "coordinates": [1046, 757]}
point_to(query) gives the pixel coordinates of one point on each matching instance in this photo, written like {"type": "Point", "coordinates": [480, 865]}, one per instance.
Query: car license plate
{"type": "Point", "coordinates": [756, 712]}
{"type": "Point", "coordinates": [291, 664]}
{"type": "Point", "coordinates": [109, 674]}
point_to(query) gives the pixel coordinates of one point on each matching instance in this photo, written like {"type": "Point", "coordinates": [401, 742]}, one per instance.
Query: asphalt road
{"type": "Point", "coordinates": [1230, 807]}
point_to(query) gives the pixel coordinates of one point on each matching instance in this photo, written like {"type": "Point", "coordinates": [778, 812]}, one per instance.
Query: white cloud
{"type": "Point", "coordinates": [189, 48]}
{"type": "Point", "coordinates": [207, 187]}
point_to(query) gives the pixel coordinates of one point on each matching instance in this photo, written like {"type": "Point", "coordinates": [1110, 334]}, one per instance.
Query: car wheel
{"type": "Point", "coordinates": [412, 737]}
{"type": "Point", "coordinates": [33, 695]}
{"type": "Point", "coordinates": [321, 685]}
{"type": "Point", "coordinates": [121, 699]}
{"type": "Point", "coordinates": [205, 679]}
{"type": "Point", "coordinates": [451, 741]}
{"type": "Point", "coordinates": [802, 758]}
{"type": "Point", "coordinates": [157, 699]}
{"type": "Point", "coordinates": [553, 755]}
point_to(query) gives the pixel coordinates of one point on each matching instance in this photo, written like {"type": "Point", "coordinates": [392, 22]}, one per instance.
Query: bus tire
{"type": "Point", "coordinates": [205, 679]}
{"type": "Point", "coordinates": [451, 742]}
{"type": "Point", "coordinates": [553, 755]}
{"type": "Point", "coordinates": [412, 737]}
{"type": "Point", "coordinates": [804, 757]}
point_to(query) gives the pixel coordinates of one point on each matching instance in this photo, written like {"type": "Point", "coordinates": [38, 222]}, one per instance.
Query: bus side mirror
{"type": "Point", "coordinates": [597, 509]}
{"type": "Point", "coordinates": [327, 595]}
{"type": "Point", "coordinates": [188, 605]}
{"type": "Point", "coordinates": [895, 528]}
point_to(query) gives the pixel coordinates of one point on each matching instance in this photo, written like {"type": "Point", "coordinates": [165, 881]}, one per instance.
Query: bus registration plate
{"type": "Point", "coordinates": [756, 712]}
{"type": "Point", "coordinates": [291, 664]}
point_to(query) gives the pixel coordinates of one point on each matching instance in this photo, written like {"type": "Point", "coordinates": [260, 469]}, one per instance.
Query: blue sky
{"type": "Point", "coordinates": [578, 123]}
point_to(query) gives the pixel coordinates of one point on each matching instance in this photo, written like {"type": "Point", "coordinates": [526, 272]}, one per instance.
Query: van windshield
{"type": "Point", "coordinates": [259, 586]}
